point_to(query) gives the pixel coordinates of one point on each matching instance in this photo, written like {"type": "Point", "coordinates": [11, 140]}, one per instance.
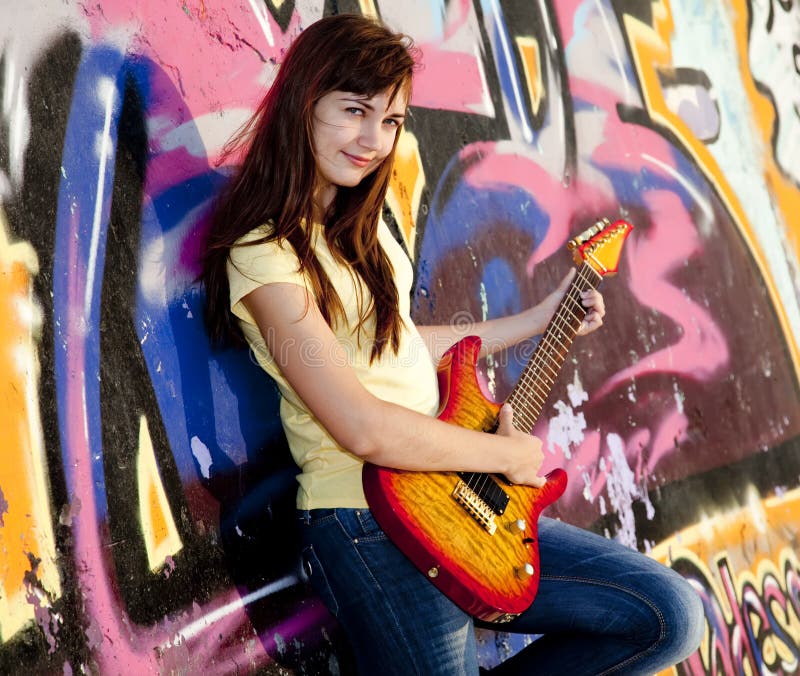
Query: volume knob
{"type": "Point", "coordinates": [524, 572]}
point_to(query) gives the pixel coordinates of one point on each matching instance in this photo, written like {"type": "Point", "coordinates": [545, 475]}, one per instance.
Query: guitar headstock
{"type": "Point", "coordinates": [600, 246]}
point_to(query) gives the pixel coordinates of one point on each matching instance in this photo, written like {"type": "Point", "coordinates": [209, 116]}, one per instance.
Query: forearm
{"type": "Point", "coordinates": [376, 430]}
{"type": "Point", "coordinates": [495, 334]}
{"type": "Point", "coordinates": [394, 436]}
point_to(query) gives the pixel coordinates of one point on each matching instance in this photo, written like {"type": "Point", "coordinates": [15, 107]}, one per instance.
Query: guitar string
{"type": "Point", "coordinates": [541, 363]}
{"type": "Point", "coordinates": [546, 355]}
{"type": "Point", "coordinates": [550, 341]}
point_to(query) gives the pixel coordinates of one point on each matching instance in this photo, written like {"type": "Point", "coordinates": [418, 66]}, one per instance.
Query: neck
{"type": "Point", "coordinates": [323, 197]}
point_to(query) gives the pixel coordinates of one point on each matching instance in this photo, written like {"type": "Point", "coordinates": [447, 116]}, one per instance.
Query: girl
{"type": "Point", "coordinates": [300, 266]}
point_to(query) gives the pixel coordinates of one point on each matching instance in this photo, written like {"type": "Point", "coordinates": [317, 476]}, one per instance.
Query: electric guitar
{"type": "Point", "coordinates": [475, 535]}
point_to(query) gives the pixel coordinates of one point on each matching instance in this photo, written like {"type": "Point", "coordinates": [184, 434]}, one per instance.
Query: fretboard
{"type": "Point", "coordinates": [530, 393]}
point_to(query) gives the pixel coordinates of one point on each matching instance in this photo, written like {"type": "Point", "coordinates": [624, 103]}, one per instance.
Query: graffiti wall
{"type": "Point", "coordinates": [146, 493]}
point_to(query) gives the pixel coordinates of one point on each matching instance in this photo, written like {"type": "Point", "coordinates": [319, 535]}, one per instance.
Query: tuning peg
{"type": "Point", "coordinates": [587, 234]}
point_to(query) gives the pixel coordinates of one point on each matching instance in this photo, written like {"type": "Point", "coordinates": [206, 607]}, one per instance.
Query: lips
{"type": "Point", "coordinates": [357, 159]}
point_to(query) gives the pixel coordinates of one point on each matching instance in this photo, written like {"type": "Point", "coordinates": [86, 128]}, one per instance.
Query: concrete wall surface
{"type": "Point", "coordinates": [146, 493]}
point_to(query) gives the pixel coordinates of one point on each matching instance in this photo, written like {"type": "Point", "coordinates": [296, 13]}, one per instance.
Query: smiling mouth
{"type": "Point", "coordinates": [357, 160]}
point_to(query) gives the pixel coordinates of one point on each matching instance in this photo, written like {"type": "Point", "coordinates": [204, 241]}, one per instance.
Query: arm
{"type": "Point", "coordinates": [375, 430]}
{"type": "Point", "coordinates": [502, 333]}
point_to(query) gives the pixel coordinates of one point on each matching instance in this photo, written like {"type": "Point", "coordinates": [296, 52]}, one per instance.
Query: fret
{"type": "Point", "coordinates": [540, 373]}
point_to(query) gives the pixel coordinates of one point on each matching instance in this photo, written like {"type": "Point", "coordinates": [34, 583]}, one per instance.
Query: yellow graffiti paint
{"type": "Point", "coordinates": [753, 543]}
{"type": "Point", "coordinates": [161, 538]}
{"type": "Point", "coordinates": [529, 54]}
{"type": "Point", "coordinates": [651, 52]}
{"type": "Point", "coordinates": [27, 522]}
{"type": "Point", "coordinates": [368, 8]}
{"type": "Point", "coordinates": [405, 186]}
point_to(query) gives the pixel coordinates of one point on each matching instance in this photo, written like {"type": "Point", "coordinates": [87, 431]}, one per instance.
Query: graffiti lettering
{"type": "Point", "coordinates": [146, 491]}
{"type": "Point", "coordinates": [753, 621]}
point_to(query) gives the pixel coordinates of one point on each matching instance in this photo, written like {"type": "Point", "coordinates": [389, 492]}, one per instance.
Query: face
{"type": "Point", "coordinates": [352, 134]}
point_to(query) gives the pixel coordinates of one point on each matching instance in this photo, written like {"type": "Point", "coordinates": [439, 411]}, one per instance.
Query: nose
{"type": "Point", "coordinates": [369, 137]}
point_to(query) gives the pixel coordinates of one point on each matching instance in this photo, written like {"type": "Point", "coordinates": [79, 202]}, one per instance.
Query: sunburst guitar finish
{"type": "Point", "coordinates": [475, 536]}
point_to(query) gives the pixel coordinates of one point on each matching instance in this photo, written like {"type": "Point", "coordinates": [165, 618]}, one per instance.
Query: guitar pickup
{"type": "Point", "coordinates": [487, 490]}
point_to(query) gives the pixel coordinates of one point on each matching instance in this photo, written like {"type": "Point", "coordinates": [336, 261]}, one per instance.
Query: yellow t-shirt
{"type": "Point", "coordinates": [331, 475]}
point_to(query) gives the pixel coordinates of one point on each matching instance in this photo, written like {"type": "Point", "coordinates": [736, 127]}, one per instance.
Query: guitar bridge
{"type": "Point", "coordinates": [475, 506]}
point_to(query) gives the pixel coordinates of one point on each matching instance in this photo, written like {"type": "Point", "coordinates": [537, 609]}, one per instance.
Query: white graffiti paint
{"type": "Point", "coordinates": [204, 136]}
{"type": "Point", "coordinates": [203, 456]}
{"type": "Point", "coordinates": [737, 149]}
{"type": "Point", "coordinates": [447, 28]}
{"type": "Point", "coordinates": [622, 490]}
{"type": "Point", "coordinates": [565, 429]}
{"type": "Point", "coordinates": [26, 31]}
{"type": "Point", "coordinates": [206, 621]}
{"type": "Point", "coordinates": [775, 63]}
{"type": "Point", "coordinates": [104, 147]}
{"type": "Point", "coordinates": [575, 392]}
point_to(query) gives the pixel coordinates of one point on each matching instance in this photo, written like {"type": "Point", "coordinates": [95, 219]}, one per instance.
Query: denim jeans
{"type": "Point", "coordinates": [602, 608]}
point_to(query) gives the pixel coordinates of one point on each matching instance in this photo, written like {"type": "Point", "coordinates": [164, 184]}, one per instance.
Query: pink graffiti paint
{"type": "Point", "coordinates": [671, 431]}
{"type": "Point", "coordinates": [206, 60]}
{"type": "Point", "coordinates": [450, 74]}
{"type": "Point", "coordinates": [504, 165]}
{"type": "Point", "coordinates": [650, 260]}
{"type": "Point", "coordinates": [449, 81]}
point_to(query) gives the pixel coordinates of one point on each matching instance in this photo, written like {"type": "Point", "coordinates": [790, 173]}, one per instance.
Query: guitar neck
{"type": "Point", "coordinates": [533, 387]}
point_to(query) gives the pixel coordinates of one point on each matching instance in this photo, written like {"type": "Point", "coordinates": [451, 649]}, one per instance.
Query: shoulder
{"type": "Point", "coordinates": [260, 232]}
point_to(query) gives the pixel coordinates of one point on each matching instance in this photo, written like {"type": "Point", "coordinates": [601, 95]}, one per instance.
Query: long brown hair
{"type": "Point", "coordinates": [276, 179]}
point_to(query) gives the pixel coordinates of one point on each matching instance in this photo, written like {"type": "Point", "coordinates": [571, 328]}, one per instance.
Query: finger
{"type": "Point", "coordinates": [593, 298]}
{"type": "Point", "coordinates": [565, 280]}
{"type": "Point", "coordinates": [506, 416]}
{"type": "Point", "coordinates": [591, 322]}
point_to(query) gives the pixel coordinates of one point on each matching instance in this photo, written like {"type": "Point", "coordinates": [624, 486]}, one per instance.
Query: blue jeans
{"type": "Point", "coordinates": [603, 608]}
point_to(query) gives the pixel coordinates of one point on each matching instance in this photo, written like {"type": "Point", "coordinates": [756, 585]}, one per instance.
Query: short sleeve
{"type": "Point", "coordinates": [255, 265]}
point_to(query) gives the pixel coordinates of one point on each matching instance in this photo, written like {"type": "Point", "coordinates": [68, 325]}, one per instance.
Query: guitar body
{"type": "Point", "coordinates": [475, 536]}
{"type": "Point", "coordinates": [484, 573]}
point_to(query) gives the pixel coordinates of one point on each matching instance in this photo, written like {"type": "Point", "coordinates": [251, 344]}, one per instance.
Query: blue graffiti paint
{"type": "Point", "coordinates": [81, 226]}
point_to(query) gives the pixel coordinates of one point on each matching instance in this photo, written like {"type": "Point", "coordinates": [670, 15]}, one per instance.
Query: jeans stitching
{"type": "Point", "coordinates": [397, 625]}
{"type": "Point", "coordinates": [322, 576]}
{"type": "Point", "coordinates": [656, 610]}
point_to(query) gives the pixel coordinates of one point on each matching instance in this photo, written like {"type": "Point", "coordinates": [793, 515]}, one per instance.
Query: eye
{"type": "Point", "coordinates": [354, 110]}
{"type": "Point", "coordinates": [392, 122]}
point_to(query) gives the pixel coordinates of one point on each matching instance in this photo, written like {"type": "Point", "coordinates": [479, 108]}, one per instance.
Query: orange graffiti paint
{"type": "Point", "coordinates": [160, 535]}
{"type": "Point", "coordinates": [26, 524]}
{"type": "Point", "coordinates": [405, 187]}
{"type": "Point", "coordinates": [529, 54]}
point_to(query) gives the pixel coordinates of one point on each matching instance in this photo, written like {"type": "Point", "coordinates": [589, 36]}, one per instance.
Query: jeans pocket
{"type": "Point", "coordinates": [319, 581]}
{"type": "Point", "coordinates": [370, 531]}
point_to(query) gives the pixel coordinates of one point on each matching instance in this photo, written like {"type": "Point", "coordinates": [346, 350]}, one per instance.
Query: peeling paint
{"type": "Point", "coordinates": [3, 506]}
{"type": "Point", "coordinates": [203, 457]}
{"type": "Point", "coordinates": [622, 490]}
{"type": "Point", "coordinates": [48, 620]}
{"type": "Point", "coordinates": [565, 429]}
{"type": "Point", "coordinates": [69, 512]}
